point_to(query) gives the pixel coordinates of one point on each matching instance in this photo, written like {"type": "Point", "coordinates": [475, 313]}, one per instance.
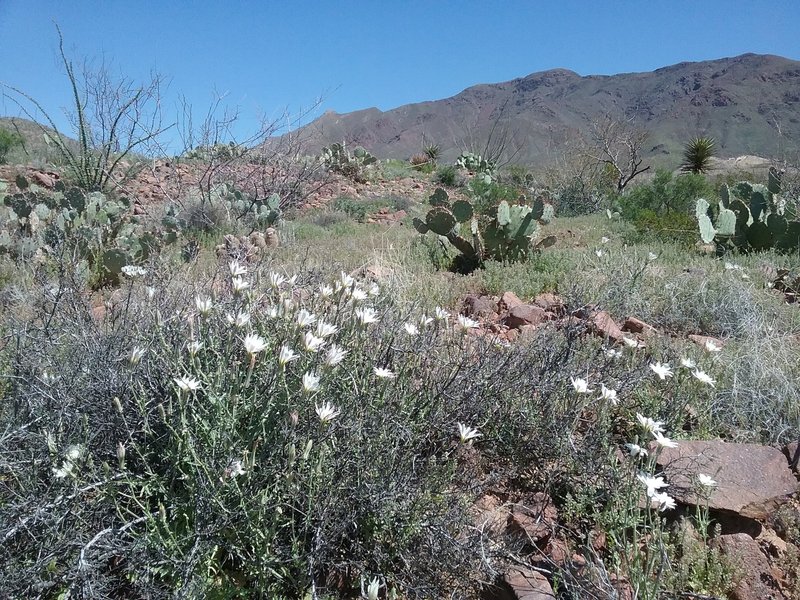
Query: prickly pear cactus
{"type": "Point", "coordinates": [750, 217]}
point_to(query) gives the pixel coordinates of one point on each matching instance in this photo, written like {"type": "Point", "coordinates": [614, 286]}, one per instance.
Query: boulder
{"type": "Point", "coordinates": [792, 452]}
{"type": "Point", "coordinates": [550, 303]}
{"type": "Point", "coordinates": [752, 480]}
{"type": "Point", "coordinates": [509, 300]}
{"type": "Point", "coordinates": [757, 582]}
{"type": "Point", "coordinates": [634, 325]}
{"type": "Point", "coordinates": [527, 584]}
{"type": "Point", "coordinates": [479, 306]}
{"type": "Point", "coordinates": [603, 325]}
{"type": "Point", "coordinates": [526, 314]}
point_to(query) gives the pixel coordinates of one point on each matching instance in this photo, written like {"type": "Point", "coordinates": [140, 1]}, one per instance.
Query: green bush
{"type": "Point", "coordinates": [8, 141]}
{"type": "Point", "coordinates": [665, 193]}
{"type": "Point", "coordinates": [669, 226]}
{"type": "Point", "coordinates": [446, 175]}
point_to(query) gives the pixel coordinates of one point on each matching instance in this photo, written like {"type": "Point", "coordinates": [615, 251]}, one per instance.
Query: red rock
{"type": "Point", "coordinates": [509, 300]}
{"type": "Point", "coordinates": [752, 480]}
{"type": "Point", "coordinates": [550, 302]}
{"type": "Point", "coordinates": [526, 314]}
{"type": "Point", "coordinates": [479, 306]}
{"type": "Point", "coordinates": [634, 325]}
{"type": "Point", "coordinates": [792, 452]}
{"type": "Point", "coordinates": [602, 324]}
{"type": "Point", "coordinates": [527, 584]}
{"type": "Point", "coordinates": [43, 179]}
{"type": "Point", "coordinates": [536, 517]}
{"type": "Point", "coordinates": [703, 340]}
{"type": "Point", "coordinates": [758, 582]}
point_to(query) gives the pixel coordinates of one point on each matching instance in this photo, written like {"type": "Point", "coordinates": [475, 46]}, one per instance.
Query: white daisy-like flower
{"type": "Point", "coordinates": [136, 355]}
{"type": "Point", "coordinates": [383, 373]}
{"type": "Point", "coordinates": [334, 355]}
{"type": "Point", "coordinates": [254, 343]}
{"type": "Point", "coordinates": [653, 484]}
{"type": "Point", "coordinates": [612, 353]}
{"type": "Point", "coordinates": [292, 280]}
{"type": "Point", "coordinates": [310, 382]}
{"type": "Point", "coordinates": [194, 347]}
{"type": "Point", "coordinates": [187, 384]}
{"type": "Point", "coordinates": [273, 311]}
{"type": "Point", "coordinates": [688, 363]}
{"type": "Point", "coordinates": [467, 434]}
{"type": "Point", "coordinates": [286, 355]}
{"type": "Point", "coordinates": [636, 450]}
{"type": "Point", "coordinates": [325, 329]}
{"type": "Point", "coordinates": [204, 305]}
{"type": "Point", "coordinates": [325, 291]}
{"type": "Point", "coordinates": [276, 279]}
{"type": "Point", "coordinates": [732, 266]}
{"type": "Point", "coordinates": [425, 320]}
{"type": "Point", "coordinates": [345, 281]}
{"type": "Point", "coordinates": [632, 342]}
{"type": "Point", "coordinates": [240, 284]}
{"type": "Point", "coordinates": [305, 318]}
{"type": "Point", "coordinates": [649, 424]}
{"type": "Point", "coordinates": [712, 346]}
{"type": "Point", "coordinates": [604, 240]}
{"type": "Point", "coordinates": [411, 329]}
{"type": "Point", "coordinates": [327, 412]}
{"type": "Point", "coordinates": [663, 371]}
{"type": "Point", "coordinates": [580, 385]}
{"type": "Point", "coordinates": [235, 468]}
{"type": "Point", "coordinates": [705, 480]}
{"type": "Point", "coordinates": [373, 588]}
{"type": "Point", "coordinates": [374, 289]}
{"type": "Point", "coordinates": [608, 394]}
{"type": "Point", "coordinates": [652, 256]}
{"type": "Point", "coordinates": [311, 342]}
{"type": "Point", "coordinates": [237, 269]}
{"type": "Point", "coordinates": [440, 314]}
{"type": "Point", "coordinates": [240, 320]}
{"type": "Point", "coordinates": [465, 323]}
{"type": "Point", "coordinates": [664, 500]}
{"type": "Point", "coordinates": [133, 271]}
{"type": "Point", "coordinates": [151, 292]}
{"type": "Point", "coordinates": [74, 452]}
{"type": "Point", "coordinates": [599, 253]}
{"type": "Point", "coordinates": [366, 315]}
{"type": "Point", "coordinates": [664, 441]}
{"type": "Point", "coordinates": [704, 377]}
{"type": "Point", "coordinates": [358, 294]}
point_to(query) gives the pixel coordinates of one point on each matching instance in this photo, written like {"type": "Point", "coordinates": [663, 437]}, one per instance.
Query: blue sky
{"type": "Point", "coordinates": [267, 56]}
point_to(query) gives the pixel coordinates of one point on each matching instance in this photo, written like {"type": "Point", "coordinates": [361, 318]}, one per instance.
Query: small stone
{"type": "Point", "coordinates": [527, 584]}
{"type": "Point", "coordinates": [603, 324]}
{"type": "Point", "coordinates": [526, 314]}
{"type": "Point", "coordinates": [634, 325]}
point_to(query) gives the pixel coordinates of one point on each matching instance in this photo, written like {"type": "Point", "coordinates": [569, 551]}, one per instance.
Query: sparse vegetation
{"type": "Point", "coordinates": [8, 141]}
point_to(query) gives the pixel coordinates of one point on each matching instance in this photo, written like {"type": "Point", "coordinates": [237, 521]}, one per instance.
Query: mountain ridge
{"type": "Point", "coordinates": [741, 101]}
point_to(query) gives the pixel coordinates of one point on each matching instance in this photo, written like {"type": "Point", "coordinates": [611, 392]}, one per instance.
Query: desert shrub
{"type": "Point", "coordinates": [487, 194]}
{"type": "Point", "coordinates": [328, 218]}
{"type": "Point", "coordinates": [446, 175]}
{"type": "Point", "coordinates": [8, 141]}
{"type": "Point", "coordinates": [665, 193]}
{"type": "Point", "coordinates": [670, 225]}
{"type": "Point", "coordinates": [204, 217]}
{"type": "Point", "coordinates": [393, 168]}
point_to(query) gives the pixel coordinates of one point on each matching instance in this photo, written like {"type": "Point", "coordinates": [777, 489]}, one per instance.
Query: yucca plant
{"type": "Point", "coordinates": [697, 155]}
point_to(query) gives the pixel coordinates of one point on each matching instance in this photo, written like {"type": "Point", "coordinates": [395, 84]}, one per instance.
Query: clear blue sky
{"type": "Point", "coordinates": [267, 56]}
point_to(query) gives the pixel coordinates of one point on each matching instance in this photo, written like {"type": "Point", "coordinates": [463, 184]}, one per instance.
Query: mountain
{"type": "Point", "coordinates": [742, 102]}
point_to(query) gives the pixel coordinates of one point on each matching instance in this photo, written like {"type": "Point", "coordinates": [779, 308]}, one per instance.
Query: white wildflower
{"type": "Point", "coordinates": [612, 353]}
{"type": "Point", "coordinates": [652, 256]}
{"type": "Point", "coordinates": [467, 433]}
{"type": "Point", "coordinates": [286, 355]}
{"type": "Point", "coordinates": [441, 314]}
{"type": "Point", "coordinates": [688, 363]}
{"type": "Point", "coordinates": [239, 284]}
{"type": "Point", "coordinates": [276, 279]}
{"type": "Point", "coordinates": [465, 323]}
{"type": "Point", "coordinates": [712, 346]}
{"type": "Point", "coordinates": [373, 588]}
{"type": "Point", "coordinates": [704, 377]}
{"type": "Point", "coordinates": [383, 373]}
{"type": "Point", "coordinates": [305, 318]}
{"type": "Point", "coordinates": [136, 355]}
{"type": "Point", "coordinates": [204, 305]}
{"type": "Point", "coordinates": [649, 424]}
{"type": "Point", "coordinates": [326, 329]}
{"type": "Point", "coordinates": [632, 342]}
{"type": "Point", "coordinates": [636, 450]}
{"type": "Point", "coordinates": [366, 315]}
{"type": "Point", "coordinates": [604, 240]}
{"type": "Point", "coordinates": [425, 320]}
{"type": "Point", "coordinates": [334, 355]}
{"type": "Point", "coordinates": [239, 320]}
{"type": "Point", "coordinates": [664, 500]}
{"type": "Point", "coordinates": [411, 329]}
{"type": "Point", "coordinates": [653, 484]}
{"type": "Point", "coordinates": [237, 269]}
{"type": "Point", "coordinates": [254, 343]}
{"type": "Point", "coordinates": [133, 271]}
{"type": "Point", "coordinates": [187, 384]}
{"type": "Point", "coordinates": [663, 371]}
{"type": "Point", "coordinates": [608, 394]}
{"type": "Point", "coordinates": [664, 441]}
{"type": "Point", "coordinates": [235, 468]}
{"type": "Point", "coordinates": [374, 289]}
{"type": "Point", "coordinates": [599, 253]}
{"type": "Point", "coordinates": [327, 412]}
{"type": "Point", "coordinates": [580, 385]}
{"type": "Point", "coordinates": [325, 291]}
{"type": "Point", "coordinates": [310, 382]}
{"type": "Point", "coordinates": [705, 480]}
{"type": "Point", "coordinates": [194, 347]}
{"type": "Point", "coordinates": [311, 342]}
{"type": "Point", "coordinates": [358, 294]}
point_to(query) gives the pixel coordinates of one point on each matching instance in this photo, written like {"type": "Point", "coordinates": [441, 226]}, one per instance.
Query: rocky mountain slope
{"type": "Point", "coordinates": [750, 104]}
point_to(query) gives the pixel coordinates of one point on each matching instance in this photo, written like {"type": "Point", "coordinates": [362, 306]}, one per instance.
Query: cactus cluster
{"type": "Point", "coordinates": [353, 166]}
{"type": "Point", "coordinates": [475, 163]}
{"type": "Point", "coordinates": [749, 217]}
{"type": "Point", "coordinates": [263, 211]}
{"type": "Point", "coordinates": [227, 151]}
{"type": "Point", "coordinates": [507, 233]}
{"type": "Point", "coordinates": [101, 231]}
